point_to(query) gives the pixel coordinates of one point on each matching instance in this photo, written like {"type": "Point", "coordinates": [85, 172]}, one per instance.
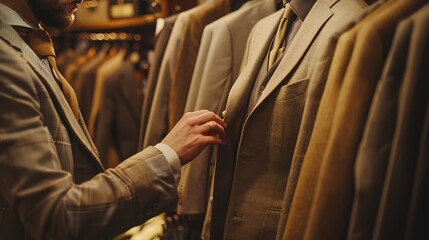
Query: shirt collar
{"type": "Point", "coordinates": [12, 18]}
{"type": "Point", "coordinates": [301, 7]}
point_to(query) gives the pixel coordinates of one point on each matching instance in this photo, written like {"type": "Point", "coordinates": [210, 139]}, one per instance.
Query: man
{"type": "Point", "coordinates": [52, 183]}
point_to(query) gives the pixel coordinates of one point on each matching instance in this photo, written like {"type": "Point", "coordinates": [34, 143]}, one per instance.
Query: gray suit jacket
{"type": "Point", "coordinates": [253, 166]}
{"type": "Point", "coordinates": [413, 105]}
{"type": "Point", "coordinates": [222, 45]}
{"type": "Point", "coordinates": [53, 185]}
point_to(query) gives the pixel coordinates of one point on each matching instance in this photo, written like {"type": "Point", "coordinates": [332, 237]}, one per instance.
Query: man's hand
{"type": "Point", "coordinates": [195, 131]}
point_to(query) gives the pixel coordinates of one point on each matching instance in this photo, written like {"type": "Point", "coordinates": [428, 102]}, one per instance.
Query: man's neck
{"type": "Point", "coordinates": [23, 9]}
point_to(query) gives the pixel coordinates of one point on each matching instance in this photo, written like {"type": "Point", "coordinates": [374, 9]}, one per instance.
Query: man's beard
{"type": "Point", "coordinates": [51, 14]}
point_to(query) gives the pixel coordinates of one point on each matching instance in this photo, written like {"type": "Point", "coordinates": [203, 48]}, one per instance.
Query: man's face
{"type": "Point", "coordinates": [55, 13]}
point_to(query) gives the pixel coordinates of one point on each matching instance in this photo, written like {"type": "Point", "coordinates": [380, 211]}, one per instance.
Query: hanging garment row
{"type": "Point", "coordinates": [106, 72]}
{"type": "Point", "coordinates": [326, 107]}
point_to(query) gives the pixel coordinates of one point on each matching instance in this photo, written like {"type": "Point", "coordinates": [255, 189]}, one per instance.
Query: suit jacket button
{"type": "Point", "coordinates": [156, 206]}
{"type": "Point", "coordinates": [223, 113]}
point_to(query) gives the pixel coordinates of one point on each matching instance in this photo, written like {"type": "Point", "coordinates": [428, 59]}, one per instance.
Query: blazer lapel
{"type": "Point", "coordinates": [240, 91]}
{"type": "Point", "coordinates": [53, 87]}
{"type": "Point", "coordinates": [316, 18]}
{"type": "Point", "coordinates": [33, 60]}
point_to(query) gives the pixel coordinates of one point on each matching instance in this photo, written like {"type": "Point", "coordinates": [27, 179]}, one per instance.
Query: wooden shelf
{"type": "Point", "coordinates": [138, 21]}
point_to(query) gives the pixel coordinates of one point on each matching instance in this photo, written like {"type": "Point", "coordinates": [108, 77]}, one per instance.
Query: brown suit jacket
{"type": "Point", "coordinates": [374, 150]}
{"type": "Point", "coordinates": [418, 214]}
{"type": "Point", "coordinates": [330, 211]}
{"type": "Point", "coordinates": [252, 167]}
{"type": "Point", "coordinates": [85, 82]}
{"type": "Point", "coordinates": [413, 104]}
{"type": "Point", "coordinates": [53, 185]}
{"type": "Point", "coordinates": [118, 117]}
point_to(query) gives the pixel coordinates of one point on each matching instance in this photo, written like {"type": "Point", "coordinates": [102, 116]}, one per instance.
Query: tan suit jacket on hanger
{"type": "Point", "coordinates": [222, 45]}
{"type": "Point", "coordinates": [330, 211]}
{"type": "Point", "coordinates": [178, 63]}
{"type": "Point", "coordinates": [118, 116]}
{"type": "Point", "coordinates": [252, 167]}
{"type": "Point", "coordinates": [85, 82]}
{"type": "Point", "coordinates": [104, 71]}
{"type": "Point", "coordinates": [52, 182]}
{"type": "Point", "coordinates": [152, 79]}
{"type": "Point", "coordinates": [187, 55]}
{"type": "Point", "coordinates": [413, 104]}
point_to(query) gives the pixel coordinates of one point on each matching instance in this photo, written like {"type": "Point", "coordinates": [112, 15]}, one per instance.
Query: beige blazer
{"type": "Point", "coordinates": [52, 183]}
{"type": "Point", "coordinates": [411, 115]}
{"type": "Point", "coordinates": [253, 166]}
{"type": "Point", "coordinates": [187, 55]}
{"type": "Point", "coordinates": [222, 45]}
{"type": "Point", "coordinates": [330, 211]}
{"type": "Point", "coordinates": [152, 79]}
{"type": "Point", "coordinates": [177, 67]}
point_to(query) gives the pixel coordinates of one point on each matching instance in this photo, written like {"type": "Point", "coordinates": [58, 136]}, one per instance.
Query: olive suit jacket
{"type": "Point", "coordinates": [252, 167]}
{"type": "Point", "coordinates": [52, 183]}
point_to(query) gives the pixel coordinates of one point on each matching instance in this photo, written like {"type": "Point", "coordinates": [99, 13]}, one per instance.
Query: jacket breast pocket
{"type": "Point", "coordinates": [292, 90]}
{"type": "Point", "coordinates": [271, 220]}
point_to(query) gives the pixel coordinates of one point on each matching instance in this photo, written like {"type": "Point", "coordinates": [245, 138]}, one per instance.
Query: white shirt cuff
{"type": "Point", "coordinates": [172, 159]}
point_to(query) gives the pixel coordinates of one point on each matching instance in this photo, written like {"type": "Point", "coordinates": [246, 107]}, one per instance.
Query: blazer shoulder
{"type": "Point", "coordinates": [10, 36]}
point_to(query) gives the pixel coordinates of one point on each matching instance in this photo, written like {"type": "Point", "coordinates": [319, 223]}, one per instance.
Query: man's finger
{"type": "Point", "coordinates": [209, 116]}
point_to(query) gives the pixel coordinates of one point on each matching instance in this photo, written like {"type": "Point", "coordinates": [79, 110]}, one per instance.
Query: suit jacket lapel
{"type": "Point", "coordinates": [33, 60]}
{"type": "Point", "coordinates": [240, 91]}
{"type": "Point", "coordinates": [316, 18]}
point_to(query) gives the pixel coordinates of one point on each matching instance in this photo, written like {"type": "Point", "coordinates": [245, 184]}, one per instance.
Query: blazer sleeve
{"type": "Point", "coordinates": [44, 197]}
